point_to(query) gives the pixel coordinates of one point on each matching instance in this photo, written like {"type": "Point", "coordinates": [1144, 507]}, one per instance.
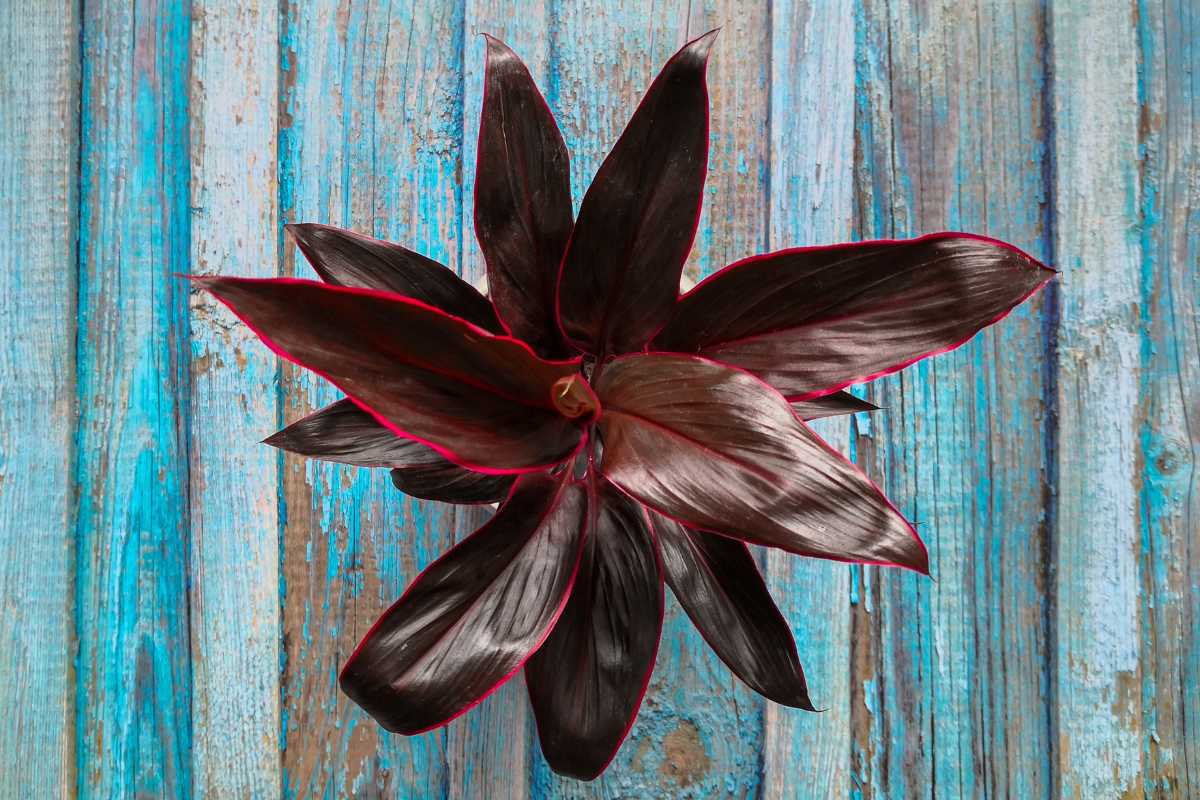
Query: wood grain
{"type": "Point", "coordinates": [490, 752]}
{"type": "Point", "coordinates": [951, 673]}
{"type": "Point", "coordinates": [1169, 324]}
{"type": "Point", "coordinates": [134, 665]}
{"type": "Point", "coordinates": [177, 599]}
{"type": "Point", "coordinates": [234, 568]}
{"type": "Point", "coordinates": [602, 57]}
{"type": "Point", "coordinates": [812, 202]}
{"type": "Point", "coordinates": [1098, 248]}
{"type": "Point", "coordinates": [39, 151]}
{"type": "Point", "coordinates": [372, 116]}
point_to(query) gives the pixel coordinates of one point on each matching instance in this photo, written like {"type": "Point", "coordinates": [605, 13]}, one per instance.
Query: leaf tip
{"type": "Point", "coordinates": [496, 49]}
{"type": "Point", "coordinates": [914, 555]}
{"type": "Point", "coordinates": [920, 561]}
{"type": "Point", "coordinates": [299, 231]}
{"type": "Point", "coordinates": [701, 47]}
{"type": "Point", "coordinates": [206, 282]}
{"type": "Point", "coordinates": [275, 439]}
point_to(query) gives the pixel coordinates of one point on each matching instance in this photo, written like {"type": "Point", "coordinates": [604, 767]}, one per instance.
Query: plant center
{"type": "Point", "coordinates": [574, 398]}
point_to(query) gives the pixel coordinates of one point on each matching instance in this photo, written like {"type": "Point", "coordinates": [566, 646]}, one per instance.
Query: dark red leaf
{"type": "Point", "coordinates": [346, 258]}
{"type": "Point", "coordinates": [522, 199]}
{"type": "Point", "coordinates": [344, 433]}
{"type": "Point", "coordinates": [484, 402]}
{"type": "Point", "coordinates": [719, 586]}
{"type": "Point", "coordinates": [831, 405]}
{"type": "Point", "coordinates": [449, 483]}
{"type": "Point", "coordinates": [469, 621]}
{"type": "Point", "coordinates": [716, 448]}
{"type": "Point", "coordinates": [587, 681]}
{"type": "Point", "coordinates": [620, 276]}
{"type": "Point", "coordinates": [815, 319]}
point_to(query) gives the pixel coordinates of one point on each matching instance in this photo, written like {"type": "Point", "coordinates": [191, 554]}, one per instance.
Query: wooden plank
{"type": "Point", "coordinates": [371, 139]}
{"type": "Point", "coordinates": [134, 672]}
{"type": "Point", "coordinates": [699, 730]}
{"type": "Point", "coordinates": [234, 595]}
{"type": "Point", "coordinates": [1169, 503]}
{"type": "Point", "coordinates": [39, 85]}
{"type": "Point", "coordinates": [812, 202]}
{"type": "Point", "coordinates": [602, 57]}
{"type": "Point", "coordinates": [951, 675]}
{"type": "Point", "coordinates": [1095, 91]}
{"type": "Point", "coordinates": [490, 749]}
{"type": "Point", "coordinates": [706, 735]}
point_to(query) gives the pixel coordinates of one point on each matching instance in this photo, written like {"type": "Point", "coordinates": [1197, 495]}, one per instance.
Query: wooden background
{"type": "Point", "coordinates": [176, 599]}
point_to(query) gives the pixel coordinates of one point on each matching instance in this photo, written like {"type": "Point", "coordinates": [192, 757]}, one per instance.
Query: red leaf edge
{"type": "Point", "coordinates": [549, 628]}
{"type": "Point", "coordinates": [826, 445]}
{"type": "Point", "coordinates": [774, 605]}
{"type": "Point", "coordinates": [479, 142]}
{"type": "Point", "coordinates": [699, 206]}
{"type": "Point", "coordinates": [846, 245]}
{"type": "Point", "coordinates": [662, 615]}
{"type": "Point", "coordinates": [203, 280]}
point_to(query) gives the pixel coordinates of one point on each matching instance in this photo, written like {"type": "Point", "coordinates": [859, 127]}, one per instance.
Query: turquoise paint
{"type": "Point", "coordinates": [1051, 463]}
{"type": "Point", "coordinates": [958, 664]}
{"type": "Point", "coordinates": [1099, 669]}
{"type": "Point", "coordinates": [133, 697]}
{"type": "Point", "coordinates": [1169, 503]}
{"type": "Point", "coordinates": [811, 202]}
{"type": "Point", "coordinates": [39, 86]}
{"type": "Point", "coordinates": [234, 586]}
{"type": "Point", "coordinates": [375, 120]}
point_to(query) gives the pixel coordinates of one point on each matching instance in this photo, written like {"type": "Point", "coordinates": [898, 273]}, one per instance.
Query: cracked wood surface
{"type": "Point", "coordinates": [177, 599]}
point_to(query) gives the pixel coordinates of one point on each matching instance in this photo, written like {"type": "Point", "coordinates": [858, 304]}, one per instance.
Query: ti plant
{"type": "Point", "coordinates": [630, 435]}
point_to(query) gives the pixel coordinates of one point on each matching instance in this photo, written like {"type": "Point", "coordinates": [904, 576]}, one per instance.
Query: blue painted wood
{"type": "Point", "coordinates": [1098, 247]}
{"type": "Point", "coordinates": [812, 202]}
{"type": "Point", "coordinates": [234, 568]}
{"type": "Point", "coordinates": [1169, 392]}
{"type": "Point", "coordinates": [134, 735]}
{"type": "Point", "coordinates": [492, 750]}
{"type": "Point", "coordinates": [951, 674]}
{"type": "Point", "coordinates": [371, 139]}
{"type": "Point", "coordinates": [39, 85]}
{"type": "Point", "coordinates": [176, 603]}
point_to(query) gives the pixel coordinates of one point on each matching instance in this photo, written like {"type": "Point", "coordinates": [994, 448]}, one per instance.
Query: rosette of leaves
{"type": "Point", "coordinates": [630, 435]}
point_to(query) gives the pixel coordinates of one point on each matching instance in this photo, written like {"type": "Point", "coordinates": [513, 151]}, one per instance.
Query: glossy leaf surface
{"type": "Point", "coordinates": [587, 681]}
{"type": "Point", "coordinates": [620, 276]}
{"type": "Point", "coordinates": [470, 620]}
{"type": "Point", "coordinates": [447, 482]}
{"type": "Point", "coordinates": [831, 405]}
{"type": "Point", "coordinates": [344, 433]}
{"type": "Point", "coordinates": [718, 584]}
{"type": "Point", "coordinates": [522, 200]}
{"type": "Point", "coordinates": [482, 401]}
{"type": "Point", "coordinates": [812, 320]}
{"type": "Point", "coordinates": [346, 258]}
{"type": "Point", "coordinates": [716, 448]}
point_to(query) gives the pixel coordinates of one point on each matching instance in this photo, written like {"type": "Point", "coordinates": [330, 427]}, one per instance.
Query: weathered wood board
{"type": "Point", "coordinates": [176, 599]}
